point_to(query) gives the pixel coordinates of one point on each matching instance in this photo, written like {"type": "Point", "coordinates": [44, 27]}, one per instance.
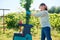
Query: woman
{"type": "Point", "coordinates": [44, 21]}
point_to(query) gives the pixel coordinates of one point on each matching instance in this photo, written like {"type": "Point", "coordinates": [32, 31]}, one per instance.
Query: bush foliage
{"type": "Point", "coordinates": [12, 20]}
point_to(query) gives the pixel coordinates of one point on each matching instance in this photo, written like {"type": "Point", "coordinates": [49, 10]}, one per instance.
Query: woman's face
{"type": "Point", "coordinates": [42, 7]}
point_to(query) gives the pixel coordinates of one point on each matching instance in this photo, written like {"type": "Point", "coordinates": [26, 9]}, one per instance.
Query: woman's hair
{"type": "Point", "coordinates": [44, 5]}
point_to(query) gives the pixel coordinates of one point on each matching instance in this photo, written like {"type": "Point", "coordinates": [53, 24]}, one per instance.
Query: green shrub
{"type": "Point", "coordinates": [12, 20]}
{"type": "Point", "coordinates": [55, 21]}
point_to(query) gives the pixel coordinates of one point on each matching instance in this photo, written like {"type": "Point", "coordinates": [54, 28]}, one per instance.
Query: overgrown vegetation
{"type": "Point", "coordinates": [12, 20]}
{"type": "Point", "coordinates": [36, 31]}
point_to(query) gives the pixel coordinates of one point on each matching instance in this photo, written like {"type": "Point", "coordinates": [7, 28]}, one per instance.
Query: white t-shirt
{"type": "Point", "coordinates": [44, 18]}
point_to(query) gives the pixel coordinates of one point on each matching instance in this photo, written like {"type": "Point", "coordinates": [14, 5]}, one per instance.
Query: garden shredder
{"type": "Point", "coordinates": [26, 35]}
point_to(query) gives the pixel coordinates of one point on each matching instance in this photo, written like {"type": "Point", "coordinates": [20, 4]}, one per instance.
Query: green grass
{"type": "Point", "coordinates": [36, 36]}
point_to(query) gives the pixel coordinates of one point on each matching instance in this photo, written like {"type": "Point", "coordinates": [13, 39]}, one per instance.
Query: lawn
{"type": "Point", "coordinates": [9, 34]}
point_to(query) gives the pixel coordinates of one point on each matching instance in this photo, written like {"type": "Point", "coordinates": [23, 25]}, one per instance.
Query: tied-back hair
{"type": "Point", "coordinates": [44, 5]}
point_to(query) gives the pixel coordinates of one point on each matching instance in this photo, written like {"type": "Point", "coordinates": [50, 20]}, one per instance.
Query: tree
{"type": "Point", "coordinates": [58, 10]}
{"type": "Point", "coordinates": [52, 10]}
{"type": "Point", "coordinates": [26, 4]}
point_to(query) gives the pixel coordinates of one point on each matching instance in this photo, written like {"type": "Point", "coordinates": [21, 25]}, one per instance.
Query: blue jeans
{"type": "Point", "coordinates": [45, 33]}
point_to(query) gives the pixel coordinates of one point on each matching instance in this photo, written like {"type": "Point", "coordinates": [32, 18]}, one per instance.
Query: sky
{"type": "Point", "coordinates": [14, 5]}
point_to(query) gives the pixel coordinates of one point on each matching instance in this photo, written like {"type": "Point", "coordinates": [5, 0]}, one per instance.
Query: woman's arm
{"type": "Point", "coordinates": [39, 14]}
